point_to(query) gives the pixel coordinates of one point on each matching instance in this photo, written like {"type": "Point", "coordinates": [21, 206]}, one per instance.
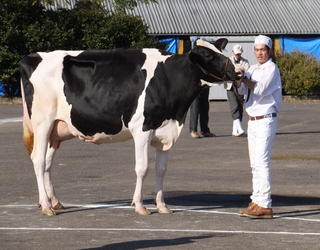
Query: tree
{"type": "Point", "coordinates": [299, 73]}
{"type": "Point", "coordinates": [119, 5]}
{"type": "Point", "coordinates": [26, 26]}
{"type": "Point", "coordinates": [14, 19]}
{"type": "Point", "coordinates": [97, 28]}
{"type": "Point", "coordinates": [122, 5]}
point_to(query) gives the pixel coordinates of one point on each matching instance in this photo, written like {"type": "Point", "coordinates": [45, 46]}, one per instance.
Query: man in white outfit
{"type": "Point", "coordinates": [263, 90]}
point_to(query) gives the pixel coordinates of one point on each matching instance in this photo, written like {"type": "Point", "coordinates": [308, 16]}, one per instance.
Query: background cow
{"type": "Point", "coordinates": [112, 96]}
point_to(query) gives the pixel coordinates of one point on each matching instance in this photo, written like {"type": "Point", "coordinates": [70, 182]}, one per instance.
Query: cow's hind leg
{"type": "Point", "coordinates": [141, 142]}
{"type": "Point", "coordinates": [29, 141]}
{"type": "Point", "coordinates": [38, 157]}
{"type": "Point", "coordinates": [161, 168]}
{"type": "Point", "coordinates": [56, 205]}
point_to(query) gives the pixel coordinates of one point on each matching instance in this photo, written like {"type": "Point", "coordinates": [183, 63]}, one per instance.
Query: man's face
{"type": "Point", "coordinates": [237, 56]}
{"type": "Point", "coordinates": [262, 53]}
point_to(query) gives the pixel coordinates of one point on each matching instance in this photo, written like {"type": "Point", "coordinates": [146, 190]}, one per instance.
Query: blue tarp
{"type": "Point", "coordinates": [1, 89]}
{"type": "Point", "coordinates": [10, 90]}
{"type": "Point", "coordinates": [310, 46]}
{"type": "Point", "coordinates": [172, 44]}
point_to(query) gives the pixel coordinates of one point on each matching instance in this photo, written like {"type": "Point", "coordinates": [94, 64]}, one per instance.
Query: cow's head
{"type": "Point", "coordinates": [214, 65]}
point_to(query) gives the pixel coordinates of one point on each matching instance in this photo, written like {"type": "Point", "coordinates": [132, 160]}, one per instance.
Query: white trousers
{"type": "Point", "coordinates": [261, 134]}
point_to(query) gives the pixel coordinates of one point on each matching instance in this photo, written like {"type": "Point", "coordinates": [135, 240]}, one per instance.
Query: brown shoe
{"type": "Point", "coordinates": [259, 213]}
{"type": "Point", "coordinates": [251, 207]}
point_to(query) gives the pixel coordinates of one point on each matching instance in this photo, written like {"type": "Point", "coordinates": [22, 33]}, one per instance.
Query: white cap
{"type": "Point", "coordinates": [237, 49]}
{"type": "Point", "coordinates": [263, 39]}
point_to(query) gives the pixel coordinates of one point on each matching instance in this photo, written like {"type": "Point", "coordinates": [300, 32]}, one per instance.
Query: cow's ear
{"type": "Point", "coordinates": [221, 43]}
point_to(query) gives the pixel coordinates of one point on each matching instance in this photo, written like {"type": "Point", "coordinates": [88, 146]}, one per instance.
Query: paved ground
{"type": "Point", "coordinates": [207, 182]}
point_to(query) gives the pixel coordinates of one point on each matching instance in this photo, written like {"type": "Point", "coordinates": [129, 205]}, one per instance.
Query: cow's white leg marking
{"type": "Point", "coordinates": [141, 142]}
{"type": "Point", "coordinates": [161, 168]}
{"type": "Point", "coordinates": [38, 157]}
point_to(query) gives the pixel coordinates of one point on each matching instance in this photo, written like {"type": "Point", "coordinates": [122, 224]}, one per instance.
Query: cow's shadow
{"type": "Point", "coordinates": [292, 205]}
{"type": "Point", "coordinates": [141, 244]}
{"type": "Point", "coordinates": [223, 200]}
{"type": "Point", "coordinates": [298, 133]}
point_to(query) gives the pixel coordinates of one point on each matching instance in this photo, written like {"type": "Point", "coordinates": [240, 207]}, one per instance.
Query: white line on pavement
{"type": "Point", "coordinates": [153, 230]}
{"type": "Point", "coordinates": [15, 119]}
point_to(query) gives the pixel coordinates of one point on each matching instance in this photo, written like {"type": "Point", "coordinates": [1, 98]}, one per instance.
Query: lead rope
{"type": "Point", "coordinates": [224, 78]}
{"type": "Point", "coordinates": [242, 101]}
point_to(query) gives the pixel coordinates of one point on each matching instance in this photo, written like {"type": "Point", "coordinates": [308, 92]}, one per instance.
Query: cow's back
{"type": "Point", "coordinates": [92, 91]}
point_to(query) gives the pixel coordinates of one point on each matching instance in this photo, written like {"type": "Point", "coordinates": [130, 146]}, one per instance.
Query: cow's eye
{"type": "Point", "coordinates": [208, 57]}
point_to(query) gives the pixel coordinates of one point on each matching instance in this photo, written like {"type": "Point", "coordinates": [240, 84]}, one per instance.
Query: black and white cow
{"type": "Point", "coordinates": [113, 96]}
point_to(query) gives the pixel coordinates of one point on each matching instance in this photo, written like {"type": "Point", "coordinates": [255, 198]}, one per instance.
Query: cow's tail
{"type": "Point", "coordinates": [28, 136]}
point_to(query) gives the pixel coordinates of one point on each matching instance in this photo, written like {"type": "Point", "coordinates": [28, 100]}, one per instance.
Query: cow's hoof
{"type": "Point", "coordinates": [164, 210]}
{"type": "Point", "coordinates": [59, 206]}
{"type": "Point", "coordinates": [143, 211]}
{"type": "Point", "coordinates": [49, 212]}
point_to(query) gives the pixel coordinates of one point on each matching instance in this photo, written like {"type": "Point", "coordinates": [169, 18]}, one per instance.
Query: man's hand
{"type": "Point", "coordinates": [249, 83]}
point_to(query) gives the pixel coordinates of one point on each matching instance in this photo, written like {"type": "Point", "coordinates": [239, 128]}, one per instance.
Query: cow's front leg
{"type": "Point", "coordinates": [142, 168]}
{"type": "Point", "coordinates": [161, 168]}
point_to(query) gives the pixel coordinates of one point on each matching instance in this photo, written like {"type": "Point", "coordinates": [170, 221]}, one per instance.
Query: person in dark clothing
{"type": "Point", "coordinates": [199, 111]}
